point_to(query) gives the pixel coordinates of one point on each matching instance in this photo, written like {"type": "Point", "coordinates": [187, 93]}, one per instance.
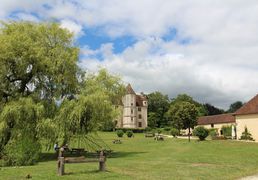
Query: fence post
{"type": "Point", "coordinates": [61, 162]}
{"type": "Point", "coordinates": [102, 161]}
{"type": "Point", "coordinates": [60, 166]}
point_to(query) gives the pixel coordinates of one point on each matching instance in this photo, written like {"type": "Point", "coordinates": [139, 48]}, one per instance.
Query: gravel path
{"type": "Point", "coordinates": [255, 177]}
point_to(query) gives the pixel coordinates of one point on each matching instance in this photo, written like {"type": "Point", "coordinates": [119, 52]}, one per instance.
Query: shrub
{"type": "Point", "coordinates": [167, 128]}
{"type": "Point", "coordinates": [246, 135]}
{"type": "Point", "coordinates": [227, 131]}
{"type": "Point", "coordinates": [159, 131]}
{"type": "Point", "coordinates": [174, 132]}
{"type": "Point", "coordinates": [201, 132]}
{"type": "Point", "coordinates": [148, 129]}
{"type": "Point", "coordinates": [120, 133]}
{"type": "Point", "coordinates": [129, 133]}
{"type": "Point", "coordinates": [21, 152]}
{"type": "Point", "coordinates": [135, 130]}
{"type": "Point", "coordinates": [213, 133]}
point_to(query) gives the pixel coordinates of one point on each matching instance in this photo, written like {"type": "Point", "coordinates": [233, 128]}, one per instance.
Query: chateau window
{"type": "Point", "coordinates": [131, 111]}
{"type": "Point", "coordinates": [140, 116]}
{"type": "Point", "coordinates": [212, 125]}
{"type": "Point", "coordinates": [131, 119]}
{"type": "Point", "coordinates": [139, 109]}
{"type": "Point", "coordinates": [139, 124]}
{"type": "Point", "coordinates": [131, 104]}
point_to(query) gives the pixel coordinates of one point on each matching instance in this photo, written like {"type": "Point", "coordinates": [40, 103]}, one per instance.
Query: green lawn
{"type": "Point", "coordinates": [144, 158]}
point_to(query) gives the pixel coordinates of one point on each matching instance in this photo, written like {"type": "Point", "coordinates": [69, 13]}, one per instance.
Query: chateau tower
{"type": "Point", "coordinates": [134, 110]}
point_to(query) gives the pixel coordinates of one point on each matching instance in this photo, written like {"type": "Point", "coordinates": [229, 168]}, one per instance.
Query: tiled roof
{"type": "Point", "coordinates": [129, 89]}
{"type": "Point", "coordinates": [251, 107]}
{"type": "Point", "coordinates": [216, 119]}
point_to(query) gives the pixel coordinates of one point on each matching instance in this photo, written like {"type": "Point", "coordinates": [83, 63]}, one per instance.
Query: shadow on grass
{"type": "Point", "coordinates": [52, 156]}
{"type": "Point", "coordinates": [123, 154]}
{"type": "Point", "coordinates": [48, 156]}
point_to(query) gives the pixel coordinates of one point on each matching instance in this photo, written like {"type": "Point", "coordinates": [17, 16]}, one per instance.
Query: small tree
{"type": "Point", "coordinates": [246, 135]}
{"type": "Point", "coordinates": [201, 132]}
{"type": "Point", "coordinates": [183, 115]}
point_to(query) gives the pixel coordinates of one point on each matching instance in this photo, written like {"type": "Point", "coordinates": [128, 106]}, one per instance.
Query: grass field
{"type": "Point", "coordinates": [144, 158]}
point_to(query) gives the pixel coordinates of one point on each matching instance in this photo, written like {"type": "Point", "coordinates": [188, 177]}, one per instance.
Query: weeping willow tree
{"type": "Point", "coordinates": [38, 64]}
{"type": "Point", "coordinates": [18, 124]}
{"type": "Point", "coordinates": [94, 107]}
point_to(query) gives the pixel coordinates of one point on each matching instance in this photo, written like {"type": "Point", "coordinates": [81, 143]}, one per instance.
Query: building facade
{"type": "Point", "coordinates": [134, 110]}
{"type": "Point", "coordinates": [244, 117]}
{"type": "Point", "coordinates": [247, 116]}
{"type": "Point", "coordinates": [217, 122]}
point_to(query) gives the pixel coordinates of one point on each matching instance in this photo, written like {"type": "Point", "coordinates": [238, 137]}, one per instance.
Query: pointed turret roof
{"type": "Point", "coordinates": [251, 107]}
{"type": "Point", "coordinates": [129, 89]}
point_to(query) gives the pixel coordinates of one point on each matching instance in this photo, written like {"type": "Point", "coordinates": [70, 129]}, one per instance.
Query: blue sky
{"type": "Point", "coordinates": [207, 49]}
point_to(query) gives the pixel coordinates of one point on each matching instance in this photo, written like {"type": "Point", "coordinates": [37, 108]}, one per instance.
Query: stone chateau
{"type": "Point", "coordinates": [134, 109]}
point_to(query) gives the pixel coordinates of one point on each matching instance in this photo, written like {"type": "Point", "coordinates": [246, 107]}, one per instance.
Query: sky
{"type": "Point", "coordinates": [205, 48]}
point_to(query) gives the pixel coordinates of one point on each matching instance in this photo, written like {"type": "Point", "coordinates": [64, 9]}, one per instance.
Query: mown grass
{"type": "Point", "coordinates": [144, 158]}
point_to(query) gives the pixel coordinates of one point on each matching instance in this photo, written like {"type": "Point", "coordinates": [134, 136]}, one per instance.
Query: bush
{"type": "Point", "coordinates": [167, 128]}
{"type": "Point", "coordinates": [129, 133]}
{"type": "Point", "coordinates": [119, 133]}
{"type": "Point", "coordinates": [148, 129]}
{"type": "Point", "coordinates": [135, 130]}
{"type": "Point", "coordinates": [159, 131]}
{"type": "Point", "coordinates": [246, 135]}
{"type": "Point", "coordinates": [21, 152]}
{"type": "Point", "coordinates": [201, 132]}
{"type": "Point", "coordinates": [227, 131]}
{"type": "Point", "coordinates": [213, 133]}
{"type": "Point", "coordinates": [174, 132]}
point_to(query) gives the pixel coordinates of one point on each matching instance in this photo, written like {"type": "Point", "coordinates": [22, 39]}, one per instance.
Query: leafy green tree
{"type": "Point", "coordinates": [183, 115]}
{"type": "Point", "coordinates": [235, 106]}
{"type": "Point", "coordinates": [158, 104]}
{"type": "Point", "coordinates": [212, 110]}
{"type": "Point", "coordinates": [186, 98]}
{"type": "Point", "coordinates": [36, 59]}
{"type": "Point", "coordinates": [18, 123]}
{"type": "Point", "coordinates": [93, 108]}
{"type": "Point", "coordinates": [38, 64]}
{"type": "Point", "coordinates": [152, 119]}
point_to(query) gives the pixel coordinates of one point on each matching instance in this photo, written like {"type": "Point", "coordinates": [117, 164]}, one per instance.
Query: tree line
{"type": "Point", "coordinates": [163, 111]}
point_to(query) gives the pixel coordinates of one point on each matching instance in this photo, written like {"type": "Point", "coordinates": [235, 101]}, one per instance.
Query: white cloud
{"type": "Point", "coordinates": [177, 71]}
{"type": "Point", "coordinates": [219, 66]}
{"type": "Point", "coordinates": [72, 27]}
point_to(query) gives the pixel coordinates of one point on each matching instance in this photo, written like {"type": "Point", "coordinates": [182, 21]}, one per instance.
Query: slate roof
{"type": "Point", "coordinates": [129, 89]}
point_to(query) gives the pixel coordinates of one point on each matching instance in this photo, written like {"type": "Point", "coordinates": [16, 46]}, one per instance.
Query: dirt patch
{"type": "Point", "coordinates": [201, 164]}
